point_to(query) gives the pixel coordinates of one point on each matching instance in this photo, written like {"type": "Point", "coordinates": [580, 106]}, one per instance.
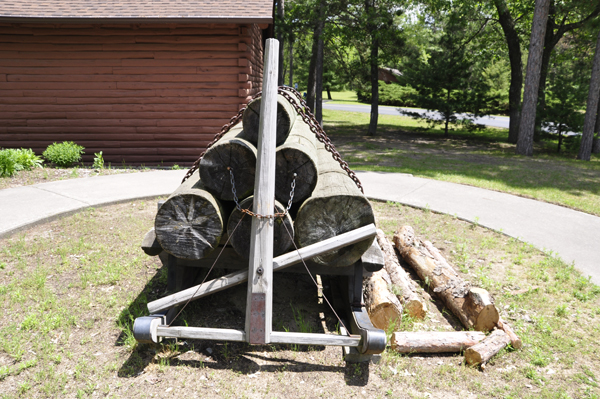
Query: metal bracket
{"type": "Point", "coordinates": [257, 318]}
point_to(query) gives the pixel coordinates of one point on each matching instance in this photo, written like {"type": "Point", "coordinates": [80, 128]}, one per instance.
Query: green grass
{"type": "Point", "coordinates": [482, 159]}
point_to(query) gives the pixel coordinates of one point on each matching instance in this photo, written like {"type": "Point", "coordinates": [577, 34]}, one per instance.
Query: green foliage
{"type": "Point", "coordinates": [14, 160]}
{"type": "Point", "coordinates": [390, 94]}
{"type": "Point", "coordinates": [63, 154]}
{"type": "Point", "coordinates": [98, 161]}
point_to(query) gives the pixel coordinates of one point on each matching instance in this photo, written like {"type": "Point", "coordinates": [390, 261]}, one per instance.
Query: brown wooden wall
{"type": "Point", "coordinates": [139, 93]}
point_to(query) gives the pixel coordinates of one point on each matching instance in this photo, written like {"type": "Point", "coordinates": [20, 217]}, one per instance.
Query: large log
{"type": "Point", "coordinates": [286, 116]}
{"type": "Point", "coordinates": [413, 304]}
{"type": "Point", "coordinates": [190, 223]}
{"type": "Point", "coordinates": [240, 240]}
{"type": "Point", "coordinates": [231, 151]}
{"type": "Point", "coordinates": [336, 206]}
{"type": "Point", "coordinates": [434, 341]}
{"type": "Point", "coordinates": [298, 155]}
{"type": "Point", "coordinates": [382, 306]}
{"type": "Point", "coordinates": [480, 353]}
{"type": "Point", "coordinates": [474, 310]}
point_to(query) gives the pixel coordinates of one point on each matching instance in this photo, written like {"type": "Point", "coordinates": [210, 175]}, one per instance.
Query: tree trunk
{"type": "Point", "coordinates": [473, 307]}
{"type": "Point", "coordinates": [413, 304]}
{"type": "Point", "coordinates": [286, 116]}
{"type": "Point", "coordinates": [382, 306]}
{"type": "Point", "coordinates": [592, 108]}
{"type": "Point", "coordinates": [596, 142]}
{"type": "Point", "coordinates": [232, 151]}
{"type": "Point", "coordinates": [434, 341]}
{"type": "Point", "coordinates": [190, 223]}
{"type": "Point", "coordinates": [516, 68]}
{"type": "Point", "coordinates": [311, 92]}
{"type": "Point", "coordinates": [280, 19]}
{"type": "Point", "coordinates": [240, 240]}
{"type": "Point", "coordinates": [374, 85]}
{"type": "Point", "coordinates": [336, 206]}
{"type": "Point", "coordinates": [532, 78]}
{"type": "Point", "coordinates": [329, 93]}
{"type": "Point", "coordinates": [480, 353]}
{"type": "Point", "coordinates": [319, 67]}
{"type": "Point", "coordinates": [298, 155]}
{"type": "Point", "coordinates": [291, 76]}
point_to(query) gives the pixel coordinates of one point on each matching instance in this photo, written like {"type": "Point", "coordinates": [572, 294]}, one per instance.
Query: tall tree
{"type": "Point", "coordinates": [371, 24]}
{"type": "Point", "coordinates": [563, 17]}
{"type": "Point", "coordinates": [280, 36]}
{"type": "Point", "coordinates": [532, 79]}
{"type": "Point", "coordinates": [592, 108]}
{"type": "Point", "coordinates": [507, 23]}
{"type": "Point", "coordinates": [314, 92]}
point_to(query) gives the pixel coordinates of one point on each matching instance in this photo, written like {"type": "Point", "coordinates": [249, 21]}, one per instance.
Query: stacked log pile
{"type": "Point", "coordinates": [325, 199]}
{"type": "Point", "coordinates": [474, 307]}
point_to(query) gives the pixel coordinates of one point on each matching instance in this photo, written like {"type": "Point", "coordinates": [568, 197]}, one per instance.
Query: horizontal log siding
{"type": "Point", "coordinates": [141, 94]}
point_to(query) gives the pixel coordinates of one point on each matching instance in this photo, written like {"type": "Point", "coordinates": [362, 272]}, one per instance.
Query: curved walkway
{"type": "Point", "coordinates": [571, 234]}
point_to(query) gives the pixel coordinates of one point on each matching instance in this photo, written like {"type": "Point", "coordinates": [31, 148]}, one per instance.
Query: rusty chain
{"type": "Point", "coordinates": [307, 116]}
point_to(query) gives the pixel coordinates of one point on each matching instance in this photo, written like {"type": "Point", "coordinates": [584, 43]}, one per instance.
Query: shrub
{"type": "Point", "coordinates": [13, 160]}
{"type": "Point", "coordinates": [389, 94]}
{"type": "Point", "coordinates": [98, 161]}
{"type": "Point", "coordinates": [64, 154]}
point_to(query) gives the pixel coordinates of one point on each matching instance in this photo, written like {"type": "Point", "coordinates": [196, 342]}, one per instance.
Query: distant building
{"type": "Point", "coordinates": [142, 81]}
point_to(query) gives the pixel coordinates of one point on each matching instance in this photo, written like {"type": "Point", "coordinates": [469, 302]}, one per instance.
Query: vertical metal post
{"type": "Point", "coordinates": [260, 273]}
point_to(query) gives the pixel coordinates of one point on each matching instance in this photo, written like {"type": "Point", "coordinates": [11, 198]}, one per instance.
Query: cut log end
{"type": "Point", "coordinates": [482, 352]}
{"type": "Point", "coordinates": [292, 161]}
{"type": "Point", "coordinates": [320, 218]}
{"type": "Point", "coordinates": [251, 119]}
{"type": "Point", "coordinates": [189, 226]}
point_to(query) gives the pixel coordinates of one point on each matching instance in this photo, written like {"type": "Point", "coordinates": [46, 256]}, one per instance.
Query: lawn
{"type": "Point", "coordinates": [481, 158]}
{"type": "Point", "coordinates": [70, 289]}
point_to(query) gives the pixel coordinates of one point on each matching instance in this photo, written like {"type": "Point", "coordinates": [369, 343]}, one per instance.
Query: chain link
{"type": "Point", "coordinates": [257, 215]}
{"type": "Point", "coordinates": [307, 116]}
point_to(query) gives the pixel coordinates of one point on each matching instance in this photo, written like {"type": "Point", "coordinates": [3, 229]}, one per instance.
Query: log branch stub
{"type": "Point", "coordinates": [240, 240]}
{"type": "Point", "coordinates": [286, 116]}
{"type": "Point", "coordinates": [434, 341]}
{"type": "Point", "coordinates": [189, 225]}
{"type": "Point", "coordinates": [231, 151]}
{"type": "Point", "coordinates": [482, 352]}
{"type": "Point", "coordinates": [382, 306]}
{"type": "Point", "coordinates": [413, 304]}
{"type": "Point", "coordinates": [336, 206]}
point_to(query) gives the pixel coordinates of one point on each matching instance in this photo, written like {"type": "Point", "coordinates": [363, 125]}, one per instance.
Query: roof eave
{"type": "Point", "coordinates": [137, 20]}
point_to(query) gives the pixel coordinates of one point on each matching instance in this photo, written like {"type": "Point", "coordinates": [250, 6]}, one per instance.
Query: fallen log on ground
{"type": "Point", "coordinates": [298, 155]}
{"type": "Point", "coordinates": [382, 306]}
{"type": "Point", "coordinates": [434, 341]}
{"type": "Point", "coordinates": [286, 116]}
{"type": "Point", "coordinates": [515, 341]}
{"type": "Point", "coordinates": [190, 223]}
{"type": "Point", "coordinates": [413, 304]}
{"type": "Point", "coordinates": [480, 353]}
{"type": "Point", "coordinates": [336, 206]}
{"type": "Point", "coordinates": [231, 151]}
{"type": "Point", "coordinates": [240, 240]}
{"type": "Point", "coordinates": [473, 308]}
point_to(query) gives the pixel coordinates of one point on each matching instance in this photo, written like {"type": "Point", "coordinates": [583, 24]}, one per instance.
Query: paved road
{"type": "Point", "coordinates": [571, 234]}
{"type": "Point", "coordinates": [496, 121]}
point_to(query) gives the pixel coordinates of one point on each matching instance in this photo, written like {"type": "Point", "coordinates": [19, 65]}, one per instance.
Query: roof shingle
{"type": "Point", "coordinates": [257, 11]}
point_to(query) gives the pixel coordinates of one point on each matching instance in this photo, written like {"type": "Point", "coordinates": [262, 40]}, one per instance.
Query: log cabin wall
{"type": "Point", "coordinates": [141, 93]}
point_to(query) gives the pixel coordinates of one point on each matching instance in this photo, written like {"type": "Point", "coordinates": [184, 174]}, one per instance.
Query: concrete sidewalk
{"type": "Point", "coordinates": [571, 234]}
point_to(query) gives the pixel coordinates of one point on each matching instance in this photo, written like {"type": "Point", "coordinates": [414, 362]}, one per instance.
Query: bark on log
{"type": "Point", "coordinates": [336, 206]}
{"type": "Point", "coordinates": [286, 115]}
{"type": "Point", "coordinates": [515, 341]}
{"type": "Point", "coordinates": [240, 240]}
{"type": "Point", "coordinates": [231, 151]}
{"type": "Point", "coordinates": [480, 353]}
{"type": "Point", "coordinates": [382, 306]}
{"type": "Point", "coordinates": [150, 244]}
{"type": "Point", "coordinates": [413, 304]}
{"type": "Point", "coordinates": [297, 155]}
{"type": "Point", "coordinates": [473, 310]}
{"type": "Point", "coordinates": [190, 223]}
{"type": "Point", "coordinates": [434, 342]}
